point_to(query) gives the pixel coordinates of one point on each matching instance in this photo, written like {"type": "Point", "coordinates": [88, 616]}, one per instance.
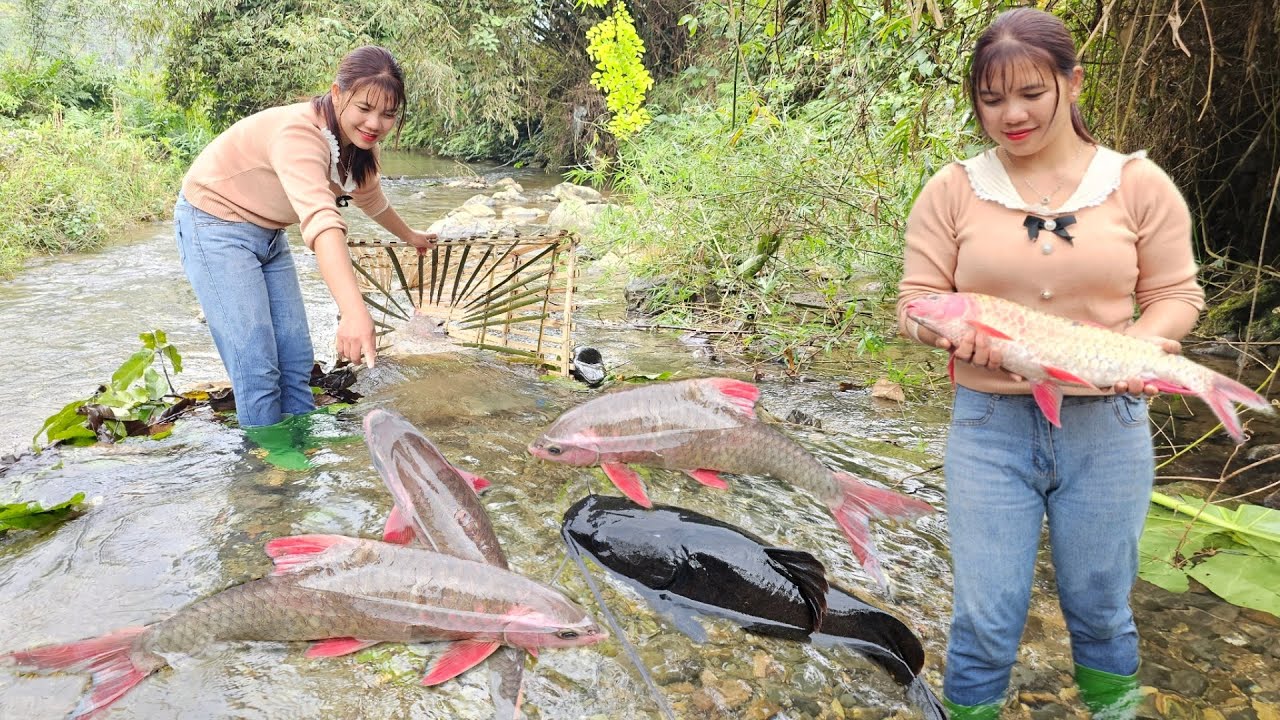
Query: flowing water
{"type": "Point", "coordinates": [178, 519]}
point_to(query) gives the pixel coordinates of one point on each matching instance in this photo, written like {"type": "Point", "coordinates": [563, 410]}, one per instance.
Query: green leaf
{"type": "Point", "coordinates": [148, 340]}
{"type": "Point", "coordinates": [131, 370]}
{"type": "Point", "coordinates": [30, 516]}
{"type": "Point", "coordinates": [161, 338]}
{"type": "Point", "coordinates": [1233, 552]}
{"type": "Point", "coordinates": [175, 359]}
{"type": "Point", "coordinates": [58, 422]}
{"type": "Point", "coordinates": [1242, 578]}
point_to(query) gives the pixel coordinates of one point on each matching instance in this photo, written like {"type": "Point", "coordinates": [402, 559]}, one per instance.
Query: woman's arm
{"type": "Point", "coordinates": [355, 326]}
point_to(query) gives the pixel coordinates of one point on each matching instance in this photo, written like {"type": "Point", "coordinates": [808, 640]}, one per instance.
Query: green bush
{"type": "Point", "coordinates": [70, 184]}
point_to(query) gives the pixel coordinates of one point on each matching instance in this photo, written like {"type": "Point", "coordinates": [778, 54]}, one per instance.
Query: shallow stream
{"type": "Point", "coordinates": [179, 519]}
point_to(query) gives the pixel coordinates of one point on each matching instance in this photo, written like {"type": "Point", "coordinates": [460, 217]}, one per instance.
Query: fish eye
{"type": "Point", "coordinates": [567, 634]}
{"type": "Point", "coordinates": [554, 449]}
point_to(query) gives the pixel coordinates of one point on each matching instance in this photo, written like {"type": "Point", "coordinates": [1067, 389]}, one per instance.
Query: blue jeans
{"type": "Point", "coordinates": [247, 284]}
{"type": "Point", "coordinates": [1007, 469]}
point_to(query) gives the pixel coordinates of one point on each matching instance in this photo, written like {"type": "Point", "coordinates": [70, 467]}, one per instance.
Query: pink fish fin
{"type": "Point", "coordinates": [459, 658]}
{"type": "Point", "coordinates": [397, 531]}
{"type": "Point", "coordinates": [335, 647]}
{"type": "Point", "coordinates": [1064, 376]}
{"type": "Point", "coordinates": [710, 478]}
{"type": "Point", "coordinates": [881, 502]}
{"type": "Point", "coordinates": [986, 329]}
{"type": "Point", "coordinates": [739, 392]}
{"type": "Point", "coordinates": [108, 658]}
{"type": "Point", "coordinates": [533, 651]}
{"type": "Point", "coordinates": [1222, 392]}
{"type": "Point", "coordinates": [859, 501]}
{"type": "Point", "coordinates": [1049, 398]}
{"type": "Point", "coordinates": [628, 482]}
{"type": "Point", "coordinates": [296, 551]}
{"type": "Point", "coordinates": [476, 482]}
{"type": "Point", "coordinates": [1172, 388]}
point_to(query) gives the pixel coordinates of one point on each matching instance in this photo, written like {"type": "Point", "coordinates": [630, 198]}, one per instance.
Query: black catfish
{"type": "Point", "coordinates": [685, 563]}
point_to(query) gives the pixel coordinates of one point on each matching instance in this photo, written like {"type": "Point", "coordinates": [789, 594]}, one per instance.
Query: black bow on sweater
{"type": "Point", "coordinates": [1057, 226]}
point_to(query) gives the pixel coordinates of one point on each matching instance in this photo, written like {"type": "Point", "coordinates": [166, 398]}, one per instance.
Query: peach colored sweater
{"type": "Point", "coordinates": [1131, 244]}
{"type": "Point", "coordinates": [276, 168]}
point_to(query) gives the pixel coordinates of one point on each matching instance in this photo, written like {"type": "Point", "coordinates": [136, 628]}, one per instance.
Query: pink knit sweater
{"type": "Point", "coordinates": [276, 168]}
{"type": "Point", "coordinates": [1131, 246]}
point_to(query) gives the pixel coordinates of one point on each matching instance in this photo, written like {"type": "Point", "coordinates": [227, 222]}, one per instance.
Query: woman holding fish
{"type": "Point", "coordinates": [1049, 220]}
{"type": "Point", "coordinates": [293, 164]}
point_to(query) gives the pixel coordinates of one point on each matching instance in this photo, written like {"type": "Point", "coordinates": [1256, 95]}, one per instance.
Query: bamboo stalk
{"type": "Point", "coordinates": [403, 315]}
{"type": "Point", "coordinates": [370, 301]}
{"type": "Point", "coordinates": [518, 269]}
{"type": "Point", "coordinates": [457, 278]}
{"type": "Point", "coordinates": [490, 311]}
{"type": "Point", "coordinates": [479, 266]}
{"type": "Point", "coordinates": [404, 283]}
{"type": "Point", "coordinates": [444, 273]}
{"type": "Point", "coordinates": [546, 297]}
{"type": "Point", "coordinates": [566, 332]}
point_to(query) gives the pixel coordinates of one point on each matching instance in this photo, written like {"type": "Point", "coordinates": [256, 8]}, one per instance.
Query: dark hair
{"type": "Point", "coordinates": [1024, 34]}
{"type": "Point", "coordinates": [370, 67]}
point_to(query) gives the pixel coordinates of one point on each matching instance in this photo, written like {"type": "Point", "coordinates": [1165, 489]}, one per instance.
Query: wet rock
{"type": "Point", "coordinates": [800, 417]}
{"type": "Point", "coordinates": [576, 216]}
{"type": "Point", "coordinates": [1190, 682]}
{"type": "Point", "coordinates": [1244, 713]}
{"type": "Point", "coordinates": [1261, 452]}
{"type": "Point", "coordinates": [522, 214]}
{"type": "Point", "coordinates": [886, 389]}
{"type": "Point", "coordinates": [641, 291]}
{"type": "Point", "coordinates": [509, 182]}
{"type": "Point", "coordinates": [509, 195]}
{"type": "Point", "coordinates": [567, 191]}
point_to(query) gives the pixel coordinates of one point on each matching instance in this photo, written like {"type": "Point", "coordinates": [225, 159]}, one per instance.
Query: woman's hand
{"type": "Point", "coordinates": [355, 336]}
{"type": "Point", "coordinates": [1138, 386]}
{"type": "Point", "coordinates": [974, 348]}
{"type": "Point", "coordinates": [424, 241]}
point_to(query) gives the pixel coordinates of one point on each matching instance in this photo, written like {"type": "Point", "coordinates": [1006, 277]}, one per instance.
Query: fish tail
{"type": "Point", "coordinates": [108, 658]}
{"type": "Point", "coordinates": [1222, 393]}
{"type": "Point", "coordinates": [859, 502]}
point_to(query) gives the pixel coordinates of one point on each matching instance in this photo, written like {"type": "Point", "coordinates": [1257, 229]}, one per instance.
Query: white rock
{"type": "Point", "coordinates": [567, 190]}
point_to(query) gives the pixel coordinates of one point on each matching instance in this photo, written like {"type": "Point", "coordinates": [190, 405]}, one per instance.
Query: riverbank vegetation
{"type": "Point", "coordinates": [768, 150]}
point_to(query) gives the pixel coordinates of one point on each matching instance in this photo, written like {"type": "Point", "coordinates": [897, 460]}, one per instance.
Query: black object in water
{"type": "Point", "coordinates": [587, 365]}
{"type": "Point", "coordinates": [685, 564]}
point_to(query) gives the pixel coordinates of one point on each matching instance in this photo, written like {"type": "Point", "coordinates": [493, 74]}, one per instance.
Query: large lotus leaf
{"type": "Point", "coordinates": [1252, 520]}
{"type": "Point", "coordinates": [1242, 577]}
{"type": "Point", "coordinates": [1166, 543]}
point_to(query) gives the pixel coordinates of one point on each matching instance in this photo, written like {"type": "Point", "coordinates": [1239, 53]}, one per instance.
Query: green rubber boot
{"type": "Point", "coordinates": [990, 711]}
{"type": "Point", "coordinates": [282, 442]}
{"type": "Point", "coordinates": [1108, 696]}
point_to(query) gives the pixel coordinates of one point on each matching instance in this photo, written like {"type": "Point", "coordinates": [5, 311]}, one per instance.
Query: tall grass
{"type": "Point", "coordinates": [84, 152]}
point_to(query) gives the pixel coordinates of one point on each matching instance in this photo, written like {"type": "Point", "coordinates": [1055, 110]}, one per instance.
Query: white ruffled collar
{"type": "Point", "coordinates": [350, 184]}
{"type": "Point", "coordinates": [990, 181]}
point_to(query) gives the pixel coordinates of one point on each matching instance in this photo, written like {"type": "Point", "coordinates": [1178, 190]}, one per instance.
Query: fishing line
{"type": "Point", "coordinates": [630, 649]}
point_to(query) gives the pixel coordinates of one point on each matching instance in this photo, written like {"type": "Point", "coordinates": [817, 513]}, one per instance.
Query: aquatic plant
{"type": "Point", "coordinates": [139, 400]}
{"type": "Point", "coordinates": [30, 516]}
{"type": "Point", "coordinates": [1233, 552]}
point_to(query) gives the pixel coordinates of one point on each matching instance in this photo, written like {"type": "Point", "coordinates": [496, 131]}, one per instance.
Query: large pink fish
{"type": "Point", "coordinates": [436, 506]}
{"type": "Point", "coordinates": [331, 587]}
{"type": "Point", "coordinates": [705, 427]}
{"type": "Point", "coordinates": [1052, 351]}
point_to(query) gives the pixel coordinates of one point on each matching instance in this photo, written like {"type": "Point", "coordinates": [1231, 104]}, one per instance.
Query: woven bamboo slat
{"type": "Point", "coordinates": [511, 294]}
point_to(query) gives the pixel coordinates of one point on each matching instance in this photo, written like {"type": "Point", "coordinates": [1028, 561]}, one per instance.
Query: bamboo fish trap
{"type": "Point", "coordinates": [510, 294]}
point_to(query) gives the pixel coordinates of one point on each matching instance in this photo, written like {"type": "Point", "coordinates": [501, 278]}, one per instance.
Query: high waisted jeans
{"type": "Point", "coordinates": [1007, 469]}
{"type": "Point", "coordinates": [246, 282]}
